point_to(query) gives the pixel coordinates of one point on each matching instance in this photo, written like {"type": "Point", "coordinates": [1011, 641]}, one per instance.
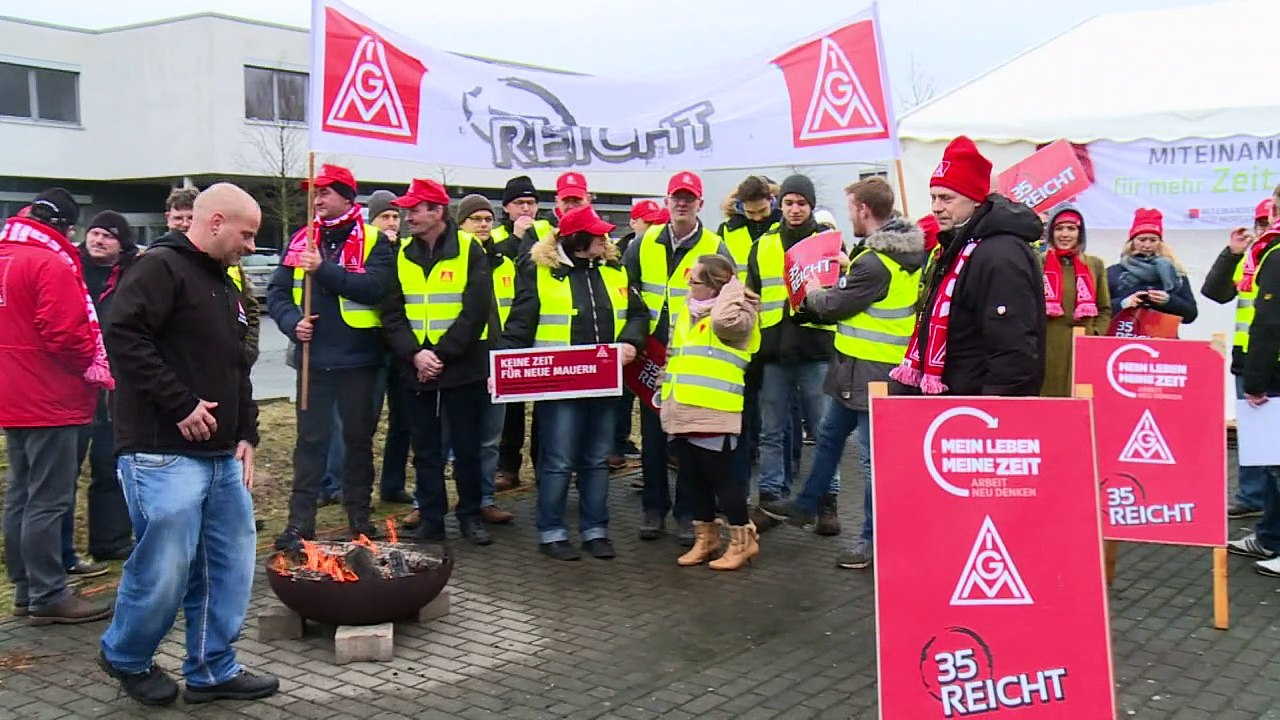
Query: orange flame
{"type": "Point", "coordinates": [391, 531]}
{"type": "Point", "coordinates": [365, 542]}
{"type": "Point", "coordinates": [279, 565]}
{"type": "Point", "coordinates": [334, 567]}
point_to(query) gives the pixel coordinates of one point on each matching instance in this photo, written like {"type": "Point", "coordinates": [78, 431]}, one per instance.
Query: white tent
{"type": "Point", "coordinates": [1207, 71]}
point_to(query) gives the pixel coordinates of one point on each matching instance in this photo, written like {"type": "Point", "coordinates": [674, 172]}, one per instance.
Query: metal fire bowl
{"type": "Point", "coordinates": [363, 602]}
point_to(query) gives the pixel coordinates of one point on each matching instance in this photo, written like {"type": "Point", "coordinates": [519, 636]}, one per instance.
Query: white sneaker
{"type": "Point", "coordinates": [1270, 568]}
{"type": "Point", "coordinates": [1249, 547]}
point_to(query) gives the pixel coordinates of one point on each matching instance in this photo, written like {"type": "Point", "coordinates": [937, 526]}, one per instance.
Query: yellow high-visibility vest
{"type": "Point", "coordinates": [354, 314]}
{"type": "Point", "coordinates": [882, 332]}
{"type": "Point", "coordinates": [771, 262]}
{"type": "Point", "coordinates": [432, 303]}
{"type": "Point", "coordinates": [504, 289]}
{"type": "Point", "coordinates": [237, 279]}
{"type": "Point", "coordinates": [556, 310]}
{"type": "Point", "coordinates": [657, 287]}
{"type": "Point", "coordinates": [739, 243]}
{"type": "Point", "coordinates": [1245, 299]}
{"type": "Point", "coordinates": [704, 371]}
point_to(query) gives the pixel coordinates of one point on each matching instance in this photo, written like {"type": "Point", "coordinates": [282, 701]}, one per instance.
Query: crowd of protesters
{"type": "Point", "coordinates": [140, 362]}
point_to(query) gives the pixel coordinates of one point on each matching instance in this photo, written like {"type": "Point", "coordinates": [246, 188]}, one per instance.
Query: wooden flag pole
{"type": "Point", "coordinates": [305, 383]}
{"type": "Point", "coordinates": [1221, 606]}
{"type": "Point", "coordinates": [902, 188]}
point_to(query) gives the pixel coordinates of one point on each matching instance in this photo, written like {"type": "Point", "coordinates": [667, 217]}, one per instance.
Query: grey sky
{"type": "Point", "coordinates": [951, 41]}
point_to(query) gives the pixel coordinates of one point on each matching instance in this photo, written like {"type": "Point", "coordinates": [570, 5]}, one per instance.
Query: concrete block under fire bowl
{"type": "Point", "coordinates": [358, 583]}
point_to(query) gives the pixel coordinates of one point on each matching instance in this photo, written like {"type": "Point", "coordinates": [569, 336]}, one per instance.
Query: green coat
{"type": "Point", "coordinates": [1058, 354]}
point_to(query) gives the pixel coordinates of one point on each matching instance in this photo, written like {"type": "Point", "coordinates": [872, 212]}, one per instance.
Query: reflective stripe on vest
{"type": "Point", "coordinates": [771, 263]}
{"type": "Point", "coordinates": [237, 279]}
{"type": "Point", "coordinates": [504, 290]}
{"type": "Point", "coordinates": [657, 288]}
{"type": "Point", "coordinates": [702, 370]}
{"type": "Point", "coordinates": [556, 310]}
{"type": "Point", "coordinates": [354, 314]}
{"type": "Point", "coordinates": [432, 303]}
{"type": "Point", "coordinates": [1245, 310]}
{"type": "Point", "coordinates": [882, 332]}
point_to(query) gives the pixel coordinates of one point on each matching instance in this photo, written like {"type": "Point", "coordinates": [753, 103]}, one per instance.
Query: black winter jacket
{"type": "Point", "coordinates": [464, 354]}
{"type": "Point", "coordinates": [176, 336]}
{"type": "Point", "coordinates": [594, 323]}
{"type": "Point", "coordinates": [996, 337]}
{"type": "Point", "coordinates": [334, 344]}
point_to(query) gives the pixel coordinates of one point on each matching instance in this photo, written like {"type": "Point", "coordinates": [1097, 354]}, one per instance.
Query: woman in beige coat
{"type": "Point", "coordinates": [702, 398]}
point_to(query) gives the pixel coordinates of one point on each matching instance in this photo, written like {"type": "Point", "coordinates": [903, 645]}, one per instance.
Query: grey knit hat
{"type": "Point", "coordinates": [471, 204]}
{"type": "Point", "coordinates": [380, 202]}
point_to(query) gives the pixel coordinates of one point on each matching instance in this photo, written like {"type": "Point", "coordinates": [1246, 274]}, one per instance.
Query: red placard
{"type": "Point", "coordinates": [564, 373]}
{"type": "Point", "coordinates": [975, 614]}
{"type": "Point", "coordinates": [1051, 176]}
{"type": "Point", "coordinates": [1144, 323]}
{"type": "Point", "coordinates": [815, 256]}
{"type": "Point", "coordinates": [644, 376]}
{"type": "Point", "coordinates": [1161, 438]}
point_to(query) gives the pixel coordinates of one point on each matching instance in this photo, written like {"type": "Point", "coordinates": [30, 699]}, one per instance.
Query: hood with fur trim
{"type": "Point", "coordinates": [548, 252]}
{"type": "Point", "coordinates": [901, 240]}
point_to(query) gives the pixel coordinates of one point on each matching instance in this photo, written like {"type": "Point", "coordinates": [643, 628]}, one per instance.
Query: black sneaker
{"type": "Point", "coordinates": [291, 539]}
{"type": "Point", "coordinates": [365, 528]}
{"type": "Point", "coordinates": [600, 549]}
{"type": "Point", "coordinates": [245, 686]}
{"type": "Point", "coordinates": [559, 550]}
{"type": "Point", "coordinates": [153, 687]}
{"type": "Point", "coordinates": [475, 531]}
{"type": "Point", "coordinates": [84, 569]}
{"type": "Point", "coordinates": [631, 452]}
{"type": "Point", "coordinates": [653, 526]}
{"type": "Point", "coordinates": [763, 521]}
{"type": "Point", "coordinates": [429, 536]}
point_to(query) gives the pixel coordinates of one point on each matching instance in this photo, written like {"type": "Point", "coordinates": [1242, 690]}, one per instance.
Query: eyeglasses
{"type": "Point", "coordinates": [480, 219]}
{"type": "Point", "coordinates": [524, 202]}
{"type": "Point", "coordinates": [693, 282]}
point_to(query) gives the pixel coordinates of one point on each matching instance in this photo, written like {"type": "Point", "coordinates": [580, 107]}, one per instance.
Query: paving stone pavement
{"type": "Point", "coordinates": [639, 637]}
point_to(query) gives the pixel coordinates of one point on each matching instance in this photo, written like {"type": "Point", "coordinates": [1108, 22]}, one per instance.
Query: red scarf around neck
{"type": "Point", "coordinates": [1252, 257]}
{"type": "Point", "coordinates": [923, 368]}
{"type": "Point", "coordinates": [1086, 295]}
{"type": "Point", "coordinates": [24, 230]}
{"type": "Point", "coordinates": [352, 253]}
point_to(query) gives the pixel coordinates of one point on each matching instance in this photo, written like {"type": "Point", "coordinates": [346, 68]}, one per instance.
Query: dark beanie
{"type": "Point", "coordinates": [55, 206]}
{"type": "Point", "coordinates": [518, 187]}
{"type": "Point", "coordinates": [344, 190]}
{"type": "Point", "coordinates": [471, 204]}
{"type": "Point", "coordinates": [799, 185]}
{"type": "Point", "coordinates": [380, 202]}
{"type": "Point", "coordinates": [114, 223]}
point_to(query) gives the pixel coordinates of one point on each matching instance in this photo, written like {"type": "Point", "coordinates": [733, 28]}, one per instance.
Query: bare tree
{"type": "Point", "coordinates": [921, 87]}
{"type": "Point", "coordinates": [278, 155]}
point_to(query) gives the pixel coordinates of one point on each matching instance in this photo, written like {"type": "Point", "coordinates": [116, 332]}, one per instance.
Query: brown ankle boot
{"type": "Point", "coordinates": [706, 544]}
{"type": "Point", "coordinates": [742, 548]}
{"type": "Point", "coordinates": [70, 610]}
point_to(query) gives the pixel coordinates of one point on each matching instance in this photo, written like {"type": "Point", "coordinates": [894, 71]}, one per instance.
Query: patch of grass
{"type": "Point", "coordinates": [273, 484]}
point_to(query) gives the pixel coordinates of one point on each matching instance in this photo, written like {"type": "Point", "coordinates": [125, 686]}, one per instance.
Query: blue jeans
{"type": "Point", "coordinates": [1253, 481]}
{"type": "Point", "coordinates": [193, 519]}
{"type": "Point", "coordinates": [656, 497]}
{"type": "Point", "coordinates": [837, 424]}
{"type": "Point", "coordinates": [622, 422]}
{"type": "Point", "coordinates": [575, 437]}
{"type": "Point", "coordinates": [494, 417]}
{"type": "Point", "coordinates": [781, 383]}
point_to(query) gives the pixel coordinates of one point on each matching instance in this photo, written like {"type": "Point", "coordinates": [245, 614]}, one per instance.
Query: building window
{"type": "Point", "coordinates": [38, 93]}
{"type": "Point", "coordinates": [275, 95]}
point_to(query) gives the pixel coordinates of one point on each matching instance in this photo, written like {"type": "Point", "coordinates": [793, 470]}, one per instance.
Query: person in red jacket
{"type": "Point", "coordinates": [52, 363]}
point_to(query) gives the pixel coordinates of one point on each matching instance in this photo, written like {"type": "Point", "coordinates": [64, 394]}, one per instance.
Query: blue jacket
{"type": "Point", "coordinates": [335, 345]}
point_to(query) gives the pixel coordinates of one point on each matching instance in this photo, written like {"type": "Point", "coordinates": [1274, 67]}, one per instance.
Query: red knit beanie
{"type": "Point", "coordinates": [1147, 220]}
{"type": "Point", "coordinates": [963, 170]}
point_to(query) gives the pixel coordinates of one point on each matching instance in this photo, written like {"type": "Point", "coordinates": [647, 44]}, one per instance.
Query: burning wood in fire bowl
{"type": "Point", "coordinates": [359, 582]}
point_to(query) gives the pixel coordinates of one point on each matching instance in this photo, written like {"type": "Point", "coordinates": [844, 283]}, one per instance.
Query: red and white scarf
{"type": "Point", "coordinates": [1252, 257]}
{"type": "Point", "coordinates": [1086, 297]}
{"type": "Point", "coordinates": [926, 373]}
{"type": "Point", "coordinates": [26, 231]}
{"type": "Point", "coordinates": [352, 252]}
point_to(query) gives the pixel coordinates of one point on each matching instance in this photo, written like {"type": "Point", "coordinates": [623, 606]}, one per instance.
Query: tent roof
{"type": "Point", "coordinates": [1205, 71]}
